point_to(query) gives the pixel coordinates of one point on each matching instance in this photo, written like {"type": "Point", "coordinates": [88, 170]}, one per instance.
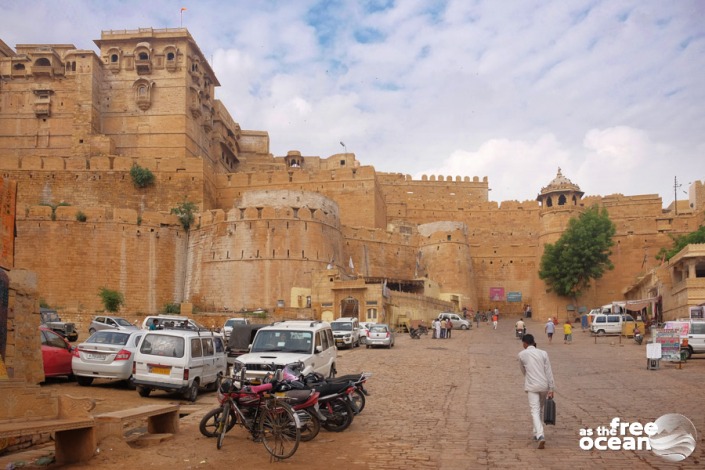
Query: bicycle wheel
{"type": "Point", "coordinates": [223, 420]}
{"type": "Point", "coordinates": [279, 430]}
{"type": "Point", "coordinates": [209, 423]}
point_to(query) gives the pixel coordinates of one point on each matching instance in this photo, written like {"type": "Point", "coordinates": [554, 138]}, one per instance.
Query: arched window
{"type": "Point", "coordinates": [143, 56]}
{"type": "Point", "coordinates": [549, 202]}
{"type": "Point", "coordinates": [561, 200]}
{"type": "Point", "coordinates": [43, 62]}
{"type": "Point", "coordinates": [19, 67]}
{"type": "Point", "coordinates": [170, 56]}
{"type": "Point", "coordinates": [113, 58]}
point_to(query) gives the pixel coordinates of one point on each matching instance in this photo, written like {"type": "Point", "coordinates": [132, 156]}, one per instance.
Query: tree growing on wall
{"type": "Point", "coordinates": [141, 177]}
{"type": "Point", "coordinates": [681, 242]}
{"type": "Point", "coordinates": [186, 213]}
{"type": "Point", "coordinates": [580, 255]}
{"type": "Point", "coordinates": [112, 299]}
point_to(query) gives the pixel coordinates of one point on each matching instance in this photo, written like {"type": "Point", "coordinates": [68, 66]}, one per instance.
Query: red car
{"type": "Point", "coordinates": [56, 354]}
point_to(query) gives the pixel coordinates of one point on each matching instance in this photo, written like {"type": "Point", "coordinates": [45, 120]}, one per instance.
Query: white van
{"type": "Point", "coordinates": [179, 361]}
{"type": "Point", "coordinates": [611, 324]}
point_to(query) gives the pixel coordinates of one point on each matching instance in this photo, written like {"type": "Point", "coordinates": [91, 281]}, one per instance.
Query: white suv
{"type": "Point", "coordinates": [286, 342]}
{"type": "Point", "coordinates": [346, 331]}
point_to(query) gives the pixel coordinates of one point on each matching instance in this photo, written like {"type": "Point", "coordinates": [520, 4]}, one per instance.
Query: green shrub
{"type": "Point", "coordinates": [81, 217]}
{"type": "Point", "coordinates": [186, 211]}
{"type": "Point", "coordinates": [141, 177]}
{"type": "Point", "coordinates": [112, 299]}
{"type": "Point", "coordinates": [172, 308]}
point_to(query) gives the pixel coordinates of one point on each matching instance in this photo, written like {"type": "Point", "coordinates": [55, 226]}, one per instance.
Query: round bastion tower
{"type": "Point", "coordinates": [560, 201]}
{"type": "Point", "coordinates": [270, 241]}
{"type": "Point", "coordinates": [444, 256]}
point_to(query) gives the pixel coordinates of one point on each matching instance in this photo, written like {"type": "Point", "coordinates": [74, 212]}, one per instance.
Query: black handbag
{"type": "Point", "coordinates": [549, 412]}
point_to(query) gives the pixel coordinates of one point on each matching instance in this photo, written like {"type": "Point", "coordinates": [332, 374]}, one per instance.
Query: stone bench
{"type": "Point", "coordinates": [161, 419]}
{"type": "Point", "coordinates": [73, 429]}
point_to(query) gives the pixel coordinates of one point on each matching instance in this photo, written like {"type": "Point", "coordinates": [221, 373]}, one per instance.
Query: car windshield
{"type": "Point", "coordinates": [122, 322]}
{"type": "Point", "coordinates": [235, 321]}
{"type": "Point", "coordinates": [341, 326]}
{"type": "Point", "coordinates": [109, 337]}
{"type": "Point", "coordinates": [283, 341]}
{"type": "Point", "coordinates": [51, 316]}
{"type": "Point", "coordinates": [378, 329]}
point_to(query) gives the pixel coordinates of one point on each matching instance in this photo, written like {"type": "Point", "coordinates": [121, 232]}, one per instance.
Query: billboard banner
{"type": "Point", "coordinates": [496, 294]}
{"type": "Point", "coordinates": [513, 296]}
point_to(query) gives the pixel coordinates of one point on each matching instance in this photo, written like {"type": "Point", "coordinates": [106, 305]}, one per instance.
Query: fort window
{"type": "Point", "coordinates": [287, 253]}
{"type": "Point", "coordinates": [113, 58]}
{"type": "Point", "coordinates": [448, 238]}
{"type": "Point", "coordinates": [303, 255]}
{"type": "Point", "coordinates": [18, 67]}
{"type": "Point", "coordinates": [561, 200]}
{"type": "Point", "coordinates": [342, 162]}
{"type": "Point", "coordinates": [143, 56]}
{"type": "Point", "coordinates": [43, 62]}
{"type": "Point", "coordinates": [257, 254]}
{"type": "Point", "coordinates": [259, 212]}
{"type": "Point", "coordinates": [549, 202]}
{"type": "Point", "coordinates": [296, 212]}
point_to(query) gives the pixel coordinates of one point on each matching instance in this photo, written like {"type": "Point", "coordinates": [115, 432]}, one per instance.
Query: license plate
{"type": "Point", "coordinates": [161, 370]}
{"type": "Point", "coordinates": [96, 357]}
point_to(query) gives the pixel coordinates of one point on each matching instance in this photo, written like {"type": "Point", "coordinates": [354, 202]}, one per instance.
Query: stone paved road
{"type": "Point", "coordinates": [458, 404]}
{"type": "Point", "coordinates": [465, 396]}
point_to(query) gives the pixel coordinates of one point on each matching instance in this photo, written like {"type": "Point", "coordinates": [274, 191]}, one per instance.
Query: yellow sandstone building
{"type": "Point", "coordinates": [300, 235]}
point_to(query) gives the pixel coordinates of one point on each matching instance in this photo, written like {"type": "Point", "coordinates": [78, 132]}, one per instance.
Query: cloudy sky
{"type": "Point", "coordinates": [612, 92]}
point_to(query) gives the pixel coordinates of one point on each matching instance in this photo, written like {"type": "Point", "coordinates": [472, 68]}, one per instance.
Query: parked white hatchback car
{"type": "Point", "coordinates": [106, 354]}
{"type": "Point", "coordinates": [103, 322]}
{"type": "Point", "coordinates": [380, 335]}
{"type": "Point", "coordinates": [179, 361]}
{"type": "Point", "coordinates": [282, 343]}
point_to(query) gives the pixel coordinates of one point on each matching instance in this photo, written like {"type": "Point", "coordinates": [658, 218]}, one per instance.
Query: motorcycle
{"type": "Point", "coordinates": [520, 332]}
{"type": "Point", "coordinates": [638, 337]}
{"type": "Point", "coordinates": [414, 333]}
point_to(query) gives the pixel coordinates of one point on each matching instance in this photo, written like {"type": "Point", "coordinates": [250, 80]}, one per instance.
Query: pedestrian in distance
{"type": "Point", "coordinates": [567, 332]}
{"type": "Point", "coordinates": [584, 322]}
{"type": "Point", "coordinates": [520, 327]}
{"type": "Point", "coordinates": [538, 383]}
{"type": "Point", "coordinates": [434, 327]}
{"type": "Point", "coordinates": [495, 320]}
{"type": "Point", "coordinates": [449, 327]}
{"type": "Point", "coordinates": [443, 328]}
{"type": "Point", "coordinates": [477, 318]}
{"type": "Point", "coordinates": [550, 329]}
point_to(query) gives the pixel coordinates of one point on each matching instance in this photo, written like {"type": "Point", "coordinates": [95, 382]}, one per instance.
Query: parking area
{"type": "Point", "coordinates": [455, 404]}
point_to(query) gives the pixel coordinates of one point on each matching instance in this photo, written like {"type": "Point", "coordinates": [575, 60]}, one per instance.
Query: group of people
{"type": "Point", "coordinates": [552, 325]}
{"type": "Point", "coordinates": [441, 328]}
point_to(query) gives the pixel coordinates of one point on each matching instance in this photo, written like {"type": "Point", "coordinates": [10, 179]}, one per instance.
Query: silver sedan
{"type": "Point", "coordinates": [107, 354]}
{"type": "Point", "coordinates": [380, 335]}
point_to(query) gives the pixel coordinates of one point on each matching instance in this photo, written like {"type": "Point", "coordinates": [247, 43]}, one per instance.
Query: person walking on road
{"type": "Point", "coordinates": [477, 318]}
{"type": "Point", "coordinates": [567, 332]}
{"type": "Point", "coordinates": [449, 327]}
{"type": "Point", "coordinates": [495, 319]}
{"type": "Point", "coordinates": [550, 329]}
{"type": "Point", "coordinates": [538, 383]}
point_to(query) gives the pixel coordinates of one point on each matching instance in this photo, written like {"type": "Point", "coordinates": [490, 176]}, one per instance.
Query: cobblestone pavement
{"type": "Point", "coordinates": [458, 404]}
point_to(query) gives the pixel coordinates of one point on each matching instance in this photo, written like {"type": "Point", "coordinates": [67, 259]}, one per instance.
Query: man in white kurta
{"type": "Point", "coordinates": [538, 383]}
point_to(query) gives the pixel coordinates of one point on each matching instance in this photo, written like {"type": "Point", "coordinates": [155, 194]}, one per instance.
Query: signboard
{"type": "Point", "coordinates": [513, 296]}
{"type": "Point", "coordinates": [697, 312]}
{"type": "Point", "coordinates": [496, 294]}
{"type": "Point", "coordinates": [670, 341]}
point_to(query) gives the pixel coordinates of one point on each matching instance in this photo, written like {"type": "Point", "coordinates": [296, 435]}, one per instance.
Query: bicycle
{"type": "Point", "coordinates": [262, 414]}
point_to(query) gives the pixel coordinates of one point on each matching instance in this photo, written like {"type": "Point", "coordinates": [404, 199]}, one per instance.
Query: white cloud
{"type": "Point", "coordinates": [610, 91]}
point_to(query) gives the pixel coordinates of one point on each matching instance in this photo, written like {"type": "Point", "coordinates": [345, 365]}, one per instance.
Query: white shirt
{"type": "Point", "coordinates": [535, 366]}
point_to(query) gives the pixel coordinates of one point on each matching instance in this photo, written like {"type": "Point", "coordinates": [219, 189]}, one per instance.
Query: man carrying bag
{"type": "Point", "coordinates": [538, 384]}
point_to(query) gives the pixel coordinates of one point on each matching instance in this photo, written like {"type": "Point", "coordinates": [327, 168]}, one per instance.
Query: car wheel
{"type": "Point", "coordinates": [192, 392]}
{"type": "Point", "coordinates": [464, 327]}
{"type": "Point", "coordinates": [600, 332]}
{"type": "Point", "coordinates": [368, 346]}
{"type": "Point", "coordinates": [84, 381]}
{"type": "Point", "coordinates": [144, 391]}
{"type": "Point", "coordinates": [332, 372]}
{"type": "Point", "coordinates": [91, 331]}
